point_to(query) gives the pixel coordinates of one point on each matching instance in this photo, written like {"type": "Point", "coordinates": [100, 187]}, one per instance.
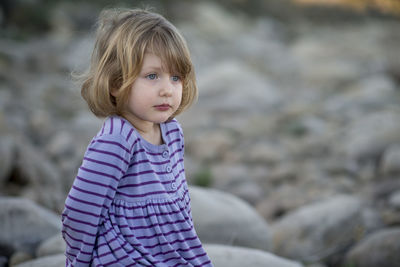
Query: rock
{"type": "Point", "coordinates": [41, 122]}
{"type": "Point", "coordinates": [20, 257]}
{"type": "Point", "coordinates": [264, 45]}
{"type": "Point", "coordinates": [49, 261]}
{"type": "Point", "coordinates": [211, 148]}
{"type": "Point", "coordinates": [391, 160]}
{"type": "Point", "coordinates": [394, 200]}
{"type": "Point", "coordinates": [284, 199]}
{"type": "Point", "coordinates": [3, 261]}
{"type": "Point", "coordinates": [7, 155]}
{"type": "Point", "coordinates": [77, 55]}
{"type": "Point", "coordinates": [223, 85]}
{"type": "Point", "coordinates": [372, 219]}
{"type": "Point", "coordinates": [60, 145]}
{"type": "Point", "coordinates": [381, 248]}
{"type": "Point", "coordinates": [224, 256]}
{"type": "Point", "coordinates": [363, 95]}
{"type": "Point", "coordinates": [319, 230]}
{"type": "Point", "coordinates": [67, 18]}
{"type": "Point", "coordinates": [87, 126]}
{"type": "Point", "coordinates": [360, 143]}
{"type": "Point", "coordinates": [316, 265]}
{"type": "Point", "coordinates": [16, 214]}
{"type": "Point", "coordinates": [382, 189]}
{"type": "Point", "coordinates": [247, 190]}
{"type": "Point", "coordinates": [51, 246]}
{"type": "Point", "coordinates": [390, 217]}
{"type": "Point", "coordinates": [35, 177]}
{"type": "Point", "coordinates": [220, 22]}
{"type": "Point", "coordinates": [293, 187]}
{"type": "Point", "coordinates": [264, 152]}
{"type": "Point", "coordinates": [229, 178]}
{"type": "Point", "coordinates": [319, 61]}
{"type": "Point", "coordinates": [222, 218]}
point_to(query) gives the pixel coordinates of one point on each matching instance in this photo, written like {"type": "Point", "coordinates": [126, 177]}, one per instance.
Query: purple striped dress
{"type": "Point", "coordinates": [129, 204]}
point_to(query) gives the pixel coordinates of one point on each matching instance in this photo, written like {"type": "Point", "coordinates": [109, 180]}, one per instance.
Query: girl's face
{"type": "Point", "coordinates": [156, 94]}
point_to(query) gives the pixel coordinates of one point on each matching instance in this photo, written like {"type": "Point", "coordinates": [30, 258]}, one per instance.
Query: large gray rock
{"type": "Point", "coordinates": [320, 230]}
{"type": "Point", "coordinates": [225, 219]}
{"type": "Point", "coordinates": [381, 248]}
{"type": "Point", "coordinates": [23, 224]}
{"type": "Point", "coordinates": [227, 256]}
{"type": "Point", "coordinates": [51, 246]}
{"type": "Point", "coordinates": [57, 260]}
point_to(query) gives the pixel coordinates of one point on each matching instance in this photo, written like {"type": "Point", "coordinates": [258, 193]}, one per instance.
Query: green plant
{"type": "Point", "coordinates": [203, 178]}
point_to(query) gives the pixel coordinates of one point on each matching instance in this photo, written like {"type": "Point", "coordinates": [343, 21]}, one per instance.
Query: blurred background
{"type": "Point", "coordinates": [298, 113]}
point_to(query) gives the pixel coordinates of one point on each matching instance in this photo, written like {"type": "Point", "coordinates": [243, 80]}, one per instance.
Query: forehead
{"type": "Point", "coordinates": [166, 50]}
{"type": "Point", "coordinates": [151, 60]}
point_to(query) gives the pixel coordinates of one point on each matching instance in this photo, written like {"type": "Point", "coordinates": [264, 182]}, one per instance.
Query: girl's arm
{"type": "Point", "coordinates": [105, 162]}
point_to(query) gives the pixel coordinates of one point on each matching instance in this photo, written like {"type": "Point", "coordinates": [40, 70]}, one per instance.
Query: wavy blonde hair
{"type": "Point", "coordinates": [123, 37]}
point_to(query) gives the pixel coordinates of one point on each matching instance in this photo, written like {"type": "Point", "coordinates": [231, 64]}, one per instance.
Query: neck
{"type": "Point", "coordinates": [150, 131]}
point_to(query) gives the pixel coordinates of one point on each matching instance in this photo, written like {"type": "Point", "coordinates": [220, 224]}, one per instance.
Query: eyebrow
{"type": "Point", "coordinates": [152, 68]}
{"type": "Point", "coordinates": [155, 68]}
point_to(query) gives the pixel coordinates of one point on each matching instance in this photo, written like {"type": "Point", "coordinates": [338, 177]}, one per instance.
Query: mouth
{"type": "Point", "coordinates": [162, 107]}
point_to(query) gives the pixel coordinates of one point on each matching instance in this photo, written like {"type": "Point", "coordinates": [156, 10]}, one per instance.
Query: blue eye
{"type": "Point", "coordinates": [176, 78]}
{"type": "Point", "coordinates": [152, 76]}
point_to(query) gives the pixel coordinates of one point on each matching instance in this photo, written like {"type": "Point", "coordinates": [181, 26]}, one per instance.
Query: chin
{"type": "Point", "coordinates": [161, 120]}
{"type": "Point", "coordinates": [162, 117]}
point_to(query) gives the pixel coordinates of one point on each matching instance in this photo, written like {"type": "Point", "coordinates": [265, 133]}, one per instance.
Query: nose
{"type": "Point", "coordinates": [166, 87]}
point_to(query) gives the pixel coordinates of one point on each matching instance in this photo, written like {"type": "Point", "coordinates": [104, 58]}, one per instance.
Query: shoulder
{"type": "Point", "coordinates": [173, 130]}
{"type": "Point", "coordinates": [118, 131]}
{"type": "Point", "coordinates": [173, 134]}
{"type": "Point", "coordinates": [173, 127]}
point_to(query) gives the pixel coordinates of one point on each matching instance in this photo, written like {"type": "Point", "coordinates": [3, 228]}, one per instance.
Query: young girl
{"type": "Point", "coordinates": [129, 204]}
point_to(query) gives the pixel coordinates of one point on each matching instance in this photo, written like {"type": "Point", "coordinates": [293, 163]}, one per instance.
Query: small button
{"type": "Point", "coordinates": [169, 168]}
{"type": "Point", "coordinates": [173, 185]}
{"type": "Point", "coordinates": [165, 154]}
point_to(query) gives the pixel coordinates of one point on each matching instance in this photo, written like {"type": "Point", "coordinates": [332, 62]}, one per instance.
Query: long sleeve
{"type": "Point", "coordinates": [105, 162]}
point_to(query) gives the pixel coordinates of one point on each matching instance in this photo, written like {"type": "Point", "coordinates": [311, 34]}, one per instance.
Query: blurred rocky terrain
{"type": "Point", "coordinates": [297, 122]}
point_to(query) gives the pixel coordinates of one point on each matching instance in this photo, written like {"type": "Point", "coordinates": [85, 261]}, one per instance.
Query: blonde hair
{"type": "Point", "coordinates": [123, 38]}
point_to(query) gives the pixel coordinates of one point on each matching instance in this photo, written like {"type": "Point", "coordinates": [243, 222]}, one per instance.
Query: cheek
{"type": "Point", "coordinates": [179, 94]}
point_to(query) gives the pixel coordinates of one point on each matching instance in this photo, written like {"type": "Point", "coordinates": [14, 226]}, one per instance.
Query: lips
{"type": "Point", "coordinates": [162, 107]}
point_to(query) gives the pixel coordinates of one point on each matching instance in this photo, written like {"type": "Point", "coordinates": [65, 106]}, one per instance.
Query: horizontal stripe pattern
{"type": "Point", "coordinates": [129, 204]}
